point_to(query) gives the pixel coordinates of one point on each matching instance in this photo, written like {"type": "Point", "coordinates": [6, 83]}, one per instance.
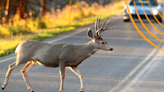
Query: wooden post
{"type": "Point", "coordinates": [70, 4]}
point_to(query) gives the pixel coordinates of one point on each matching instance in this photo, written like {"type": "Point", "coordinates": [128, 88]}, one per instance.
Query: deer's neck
{"type": "Point", "coordinates": [82, 52]}
{"type": "Point", "coordinates": [89, 48]}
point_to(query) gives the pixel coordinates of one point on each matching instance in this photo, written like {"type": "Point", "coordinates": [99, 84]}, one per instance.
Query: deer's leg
{"type": "Point", "coordinates": [80, 75]}
{"type": "Point", "coordinates": [24, 72]}
{"type": "Point", "coordinates": [8, 73]}
{"type": "Point", "coordinates": [62, 76]}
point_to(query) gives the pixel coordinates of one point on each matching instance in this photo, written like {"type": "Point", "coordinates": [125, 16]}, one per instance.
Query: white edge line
{"type": "Point", "coordinates": [58, 39]}
{"type": "Point", "coordinates": [7, 59]}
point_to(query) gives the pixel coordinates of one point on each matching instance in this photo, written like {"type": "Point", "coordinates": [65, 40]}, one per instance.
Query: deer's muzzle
{"type": "Point", "coordinates": [111, 49]}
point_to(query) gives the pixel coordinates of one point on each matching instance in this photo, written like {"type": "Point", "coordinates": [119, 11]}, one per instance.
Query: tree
{"type": "Point", "coordinates": [22, 8]}
{"type": "Point", "coordinates": [7, 13]}
{"type": "Point", "coordinates": [44, 7]}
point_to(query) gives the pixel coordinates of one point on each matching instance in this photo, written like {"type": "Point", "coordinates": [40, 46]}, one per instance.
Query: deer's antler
{"type": "Point", "coordinates": [100, 30]}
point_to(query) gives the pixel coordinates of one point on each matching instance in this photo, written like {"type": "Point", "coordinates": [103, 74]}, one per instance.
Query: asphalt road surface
{"type": "Point", "coordinates": [133, 66]}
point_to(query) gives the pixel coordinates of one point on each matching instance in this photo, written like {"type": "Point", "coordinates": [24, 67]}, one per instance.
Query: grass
{"type": "Point", "coordinates": [12, 34]}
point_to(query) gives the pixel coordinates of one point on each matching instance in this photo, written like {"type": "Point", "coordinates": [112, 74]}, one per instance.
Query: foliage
{"type": "Point", "coordinates": [18, 30]}
{"type": "Point", "coordinates": [4, 32]}
{"type": "Point", "coordinates": [41, 23]}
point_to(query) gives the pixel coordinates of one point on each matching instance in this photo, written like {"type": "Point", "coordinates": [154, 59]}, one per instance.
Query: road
{"type": "Point", "coordinates": [133, 66]}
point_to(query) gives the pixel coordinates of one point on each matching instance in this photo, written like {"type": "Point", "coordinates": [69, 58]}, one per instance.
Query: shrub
{"type": "Point", "coordinates": [32, 25]}
{"type": "Point", "coordinates": [17, 30]}
{"type": "Point", "coordinates": [41, 23]}
{"type": "Point", "coordinates": [4, 32]}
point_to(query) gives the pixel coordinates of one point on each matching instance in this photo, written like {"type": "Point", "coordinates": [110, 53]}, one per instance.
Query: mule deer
{"type": "Point", "coordinates": [60, 55]}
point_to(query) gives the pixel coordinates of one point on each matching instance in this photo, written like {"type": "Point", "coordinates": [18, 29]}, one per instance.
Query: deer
{"type": "Point", "coordinates": [60, 55]}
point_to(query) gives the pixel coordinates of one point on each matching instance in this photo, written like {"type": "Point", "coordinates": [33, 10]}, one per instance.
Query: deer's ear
{"type": "Point", "coordinates": [91, 35]}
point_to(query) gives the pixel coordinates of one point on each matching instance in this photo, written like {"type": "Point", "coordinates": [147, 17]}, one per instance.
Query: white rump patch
{"type": "Point", "coordinates": [18, 47]}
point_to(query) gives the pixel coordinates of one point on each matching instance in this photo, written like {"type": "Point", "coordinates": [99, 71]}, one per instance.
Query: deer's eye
{"type": "Point", "coordinates": [102, 42]}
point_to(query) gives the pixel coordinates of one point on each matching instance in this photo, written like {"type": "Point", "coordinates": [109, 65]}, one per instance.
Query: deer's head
{"type": "Point", "coordinates": [96, 38]}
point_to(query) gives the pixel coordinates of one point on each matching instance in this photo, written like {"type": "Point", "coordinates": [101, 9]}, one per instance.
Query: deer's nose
{"type": "Point", "coordinates": [111, 49]}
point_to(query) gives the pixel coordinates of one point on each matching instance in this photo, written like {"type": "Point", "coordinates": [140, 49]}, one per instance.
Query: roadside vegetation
{"type": "Point", "coordinates": [18, 30]}
{"type": "Point", "coordinates": [160, 0]}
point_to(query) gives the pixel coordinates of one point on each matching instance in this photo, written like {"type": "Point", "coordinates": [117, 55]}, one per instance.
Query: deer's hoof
{"type": "Point", "coordinates": [32, 91]}
{"type": "Point", "coordinates": [3, 88]}
{"type": "Point", "coordinates": [81, 91]}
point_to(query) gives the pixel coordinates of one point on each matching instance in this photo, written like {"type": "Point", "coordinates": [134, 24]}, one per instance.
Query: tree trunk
{"type": "Point", "coordinates": [22, 8]}
{"type": "Point", "coordinates": [7, 13]}
{"type": "Point", "coordinates": [44, 8]}
{"type": "Point", "coordinates": [101, 2]}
